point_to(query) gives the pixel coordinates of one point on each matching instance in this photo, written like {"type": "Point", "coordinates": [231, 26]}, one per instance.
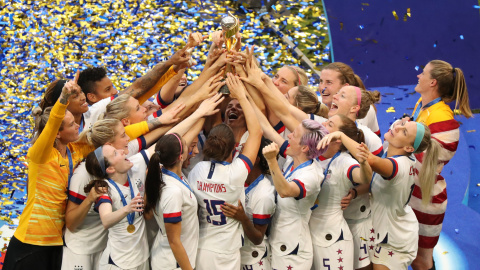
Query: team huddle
{"type": "Point", "coordinates": [168, 174]}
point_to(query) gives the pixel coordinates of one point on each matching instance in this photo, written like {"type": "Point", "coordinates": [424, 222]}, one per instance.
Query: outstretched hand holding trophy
{"type": "Point", "coordinates": [230, 27]}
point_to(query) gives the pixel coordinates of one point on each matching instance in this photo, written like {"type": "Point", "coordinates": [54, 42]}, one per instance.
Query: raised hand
{"type": "Point", "coordinates": [270, 151]}
{"type": "Point", "coordinates": [70, 90]}
{"type": "Point", "coordinates": [362, 155]}
{"type": "Point", "coordinates": [95, 193]}
{"type": "Point", "coordinates": [213, 55]}
{"type": "Point", "coordinates": [168, 117]}
{"type": "Point", "coordinates": [210, 87]}
{"type": "Point", "coordinates": [236, 87]}
{"type": "Point", "coordinates": [207, 107]}
{"type": "Point", "coordinates": [218, 38]}
{"type": "Point", "coordinates": [135, 205]}
{"type": "Point", "coordinates": [194, 39]}
{"type": "Point", "coordinates": [328, 138]}
{"type": "Point", "coordinates": [180, 59]}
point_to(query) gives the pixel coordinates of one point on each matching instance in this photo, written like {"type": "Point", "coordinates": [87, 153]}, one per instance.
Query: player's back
{"type": "Point", "coordinates": [215, 183]}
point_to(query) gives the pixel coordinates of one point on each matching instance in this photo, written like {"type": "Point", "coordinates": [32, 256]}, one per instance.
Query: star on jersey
{"type": "Point", "coordinates": [391, 253]}
{"type": "Point", "coordinates": [339, 251]}
{"type": "Point", "coordinates": [289, 267]}
{"type": "Point", "coordinates": [340, 259]}
{"type": "Point", "coordinates": [370, 247]}
{"type": "Point", "coordinates": [372, 239]}
{"type": "Point", "coordinates": [260, 263]}
{"type": "Point", "coordinates": [372, 230]}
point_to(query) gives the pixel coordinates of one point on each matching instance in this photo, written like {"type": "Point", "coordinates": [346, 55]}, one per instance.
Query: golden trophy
{"type": "Point", "coordinates": [230, 27]}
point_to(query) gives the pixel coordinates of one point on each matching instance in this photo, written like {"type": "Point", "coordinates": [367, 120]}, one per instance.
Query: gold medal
{"type": "Point", "coordinates": [130, 228]}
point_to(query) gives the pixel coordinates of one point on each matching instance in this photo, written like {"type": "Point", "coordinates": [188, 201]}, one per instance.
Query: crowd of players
{"type": "Point", "coordinates": [278, 177]}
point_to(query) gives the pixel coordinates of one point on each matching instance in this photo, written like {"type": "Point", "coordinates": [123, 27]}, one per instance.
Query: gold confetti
{"type": "Point", "coordinates": [391, 110]}
{"type": "Point", "coordinates": [472, 130]}
{"type": "Point", "coordinates": [445, 252]}
{"type": "Point", "coordinates": [409, 13]}
{"type": "Point", "coordinates": [395, 15]}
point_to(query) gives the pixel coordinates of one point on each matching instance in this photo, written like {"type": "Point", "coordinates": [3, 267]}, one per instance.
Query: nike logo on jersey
{"type": "Point", "coordinates": [361, 259]}
{"type": "Point", "coordinates": [62, 165]}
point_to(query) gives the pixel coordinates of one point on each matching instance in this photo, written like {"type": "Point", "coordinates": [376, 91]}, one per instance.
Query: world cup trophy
{"type": "Point", "coordinates": [230, 27]}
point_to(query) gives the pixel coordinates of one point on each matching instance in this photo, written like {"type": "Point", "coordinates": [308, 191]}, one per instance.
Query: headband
{"type": "Point", "coordinates": [100, 158]}
{"type": "Point", "coordinates": [298, 75]}
{"type": "Point", "coordinates": [359, 97]}
{"type": "Point", "coordinates": [419, 136]}
{"type": "Point", "coordinates": [180, 142]}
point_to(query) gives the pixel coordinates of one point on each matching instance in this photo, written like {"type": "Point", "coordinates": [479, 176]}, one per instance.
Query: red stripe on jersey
{"type": "Point", "coordinates": [443, 126]}
{"type": "Point", "coordinates": [104, 197]}
{"type": "Point", "coordinates": [126, 184]}
{"type": "Point", "coordinates": [429, 219]}
{"type": "Point", "coordinates": [303, 191]}
{"type": "Point", "coordinates": [350, 170]}
{"type": "Point", "coordinates": [448, 146]}
{"type": "Point", "coordinates": [76, 195]}
{"type": "Point", "coordinates": [376, 152]}
{"type": "Point", "coordinates": [377, 132]}
{"type": "Point", "coordinates": [427, 242]}
{"type": "Point", "coordinates": [282, 129]}
{"type": "Point", "coordinates": [261, 216]}
{"type": "Point", "coordinates": [438, 199]}
{"type": "Point", "coordinates": [321, 158]}
{"type": "Point", "coordinates": [170, 215]}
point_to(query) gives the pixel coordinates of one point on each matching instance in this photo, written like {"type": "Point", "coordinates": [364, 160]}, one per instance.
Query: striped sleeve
{"type": "Point", "coordinates": [163, 104]}
{"type": "Point", "coordinates": [100, 200]}
{"type": "Point", "coordinates": [171, 204]}
{"type": "Point", "coordinates": [280, 127]}
{"type": "Point", "coordinates": [303, 190]}
{"type": "Point", "coordinates": [172, 217]}
{"type": "Point", "coordinates": [75, 197]}
{"type": "Point", "coordinates": [283, 149]}
{"type": "Point", "coordinates": [261, 219]}
{"type": "Point", "coordinates": [394, 171]}
{"type": "Point", "coordinates": [263, 203]}
{"type": "Point", "coordinates": [248, 163]}
{"type": "Point", "coordinates": [350, 172]}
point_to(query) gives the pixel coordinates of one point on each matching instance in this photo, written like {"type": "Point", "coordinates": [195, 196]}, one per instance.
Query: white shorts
{"type": "Point", "coordinates": [300, 261]}
{"type": "Point", "coordinates": [107, 264]}
{"type": "Point", "coordinates": [363, 241]}
{"type": "Point", "coordinates": [336, 256]}
{"type": "Point", "coordinates": [73, 261]}
{"type": "Point", "coordinates": [263, 264]}
{"type": "Point", "coordinates": [391, 258]}
{"type": "Point", "coordinates": [209, 260]}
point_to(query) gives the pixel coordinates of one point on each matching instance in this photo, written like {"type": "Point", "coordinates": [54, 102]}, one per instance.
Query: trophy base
{"type": "Point", "coordinates": [224, 90]}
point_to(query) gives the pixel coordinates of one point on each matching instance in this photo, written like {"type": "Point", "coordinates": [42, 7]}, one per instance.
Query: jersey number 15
{"type": "Point", "coordinates": [212, 205]}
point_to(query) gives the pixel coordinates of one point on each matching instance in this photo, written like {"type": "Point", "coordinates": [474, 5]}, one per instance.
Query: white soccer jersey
{"type": "Point", "coordinates": [127, 250]}
{"type": "Point", "coordinates": [239, 146]}
{"type": "Point", "coordinates": [94, 111]}
{"type": "Point", "coordinates": [259, 207]}
{"type": "Point", "coordinates": [177, 204]}
{"type": "Point", "coordinates": [393, 219]}
{"type": "Point", "coordinates": [318, 118]}
{"type": "Point", "coordinates": [90, 236]}
{"type": "Point", "coordinates": [290, 231]}
{"type": "Point", "coordinates": [215, 183]}
{"type": "Point", "coordinates": [370, 121]}
{"type": "Point", "coordinates": [327, 222]}
{"type": "Point", "coordinates": [373, 142]}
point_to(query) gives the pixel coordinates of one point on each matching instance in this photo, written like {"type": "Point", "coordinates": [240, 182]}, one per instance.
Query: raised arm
{"type": "Point", "coordinates": [382, 166]}
{"type": "Point", "coordinates": [282, 186]}
{"type": "Point", "coordinates": [237, 90]}
{"type": "Point", "coordinates": [268, 131]}
{"type": "Point", "coordinates": [43, 146]}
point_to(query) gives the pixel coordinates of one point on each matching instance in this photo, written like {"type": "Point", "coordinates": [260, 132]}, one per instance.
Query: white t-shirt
{"type": "Point", "coordinates": [290, 223]}
{"type": "Point", "coordinates": [215, 183]}
{"type": "Point", "coordinates": [128, 250]}
{"type": "Point", "coordinates": [90, 236]}
{"type": "Point", "coordinates": [327, 221]}
{"type": "Point", "coordinates": [259, 207]}
{"type": "Point", "coordinates": [370, 120]}
{"type": "Point", "coordinates": [393, 219]}
{"type": "Point", "coordinates": [94, 111]}
{"type": "Point", "coordinates": [177, 204]}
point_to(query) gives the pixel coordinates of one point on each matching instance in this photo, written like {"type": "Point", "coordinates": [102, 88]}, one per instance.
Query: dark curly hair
{"type": "Point", "coordinates": [89, 77]}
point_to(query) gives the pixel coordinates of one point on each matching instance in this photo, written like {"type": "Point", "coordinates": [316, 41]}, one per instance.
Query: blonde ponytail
{"type": "Point", "coordinates": [428, 172]}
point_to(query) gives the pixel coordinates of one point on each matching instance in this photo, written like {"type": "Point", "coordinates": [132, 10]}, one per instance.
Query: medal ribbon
{"type": "Point", "coordinates": [328, 166]}
{"type": "Point", "coordinates": [174, 175]}
{"type": "Point", "coordinates": [419, 107]}
{"type": "Point", "coordinates": [304, 164]}
{"type": "Point", "coordinates": [130, 216]}
{"type": "Point", "coordinates": [254, 183]}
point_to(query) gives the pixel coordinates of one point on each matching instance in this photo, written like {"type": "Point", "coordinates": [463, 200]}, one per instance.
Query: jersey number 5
{"type": "Point", "coordinates": [212, 205]}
